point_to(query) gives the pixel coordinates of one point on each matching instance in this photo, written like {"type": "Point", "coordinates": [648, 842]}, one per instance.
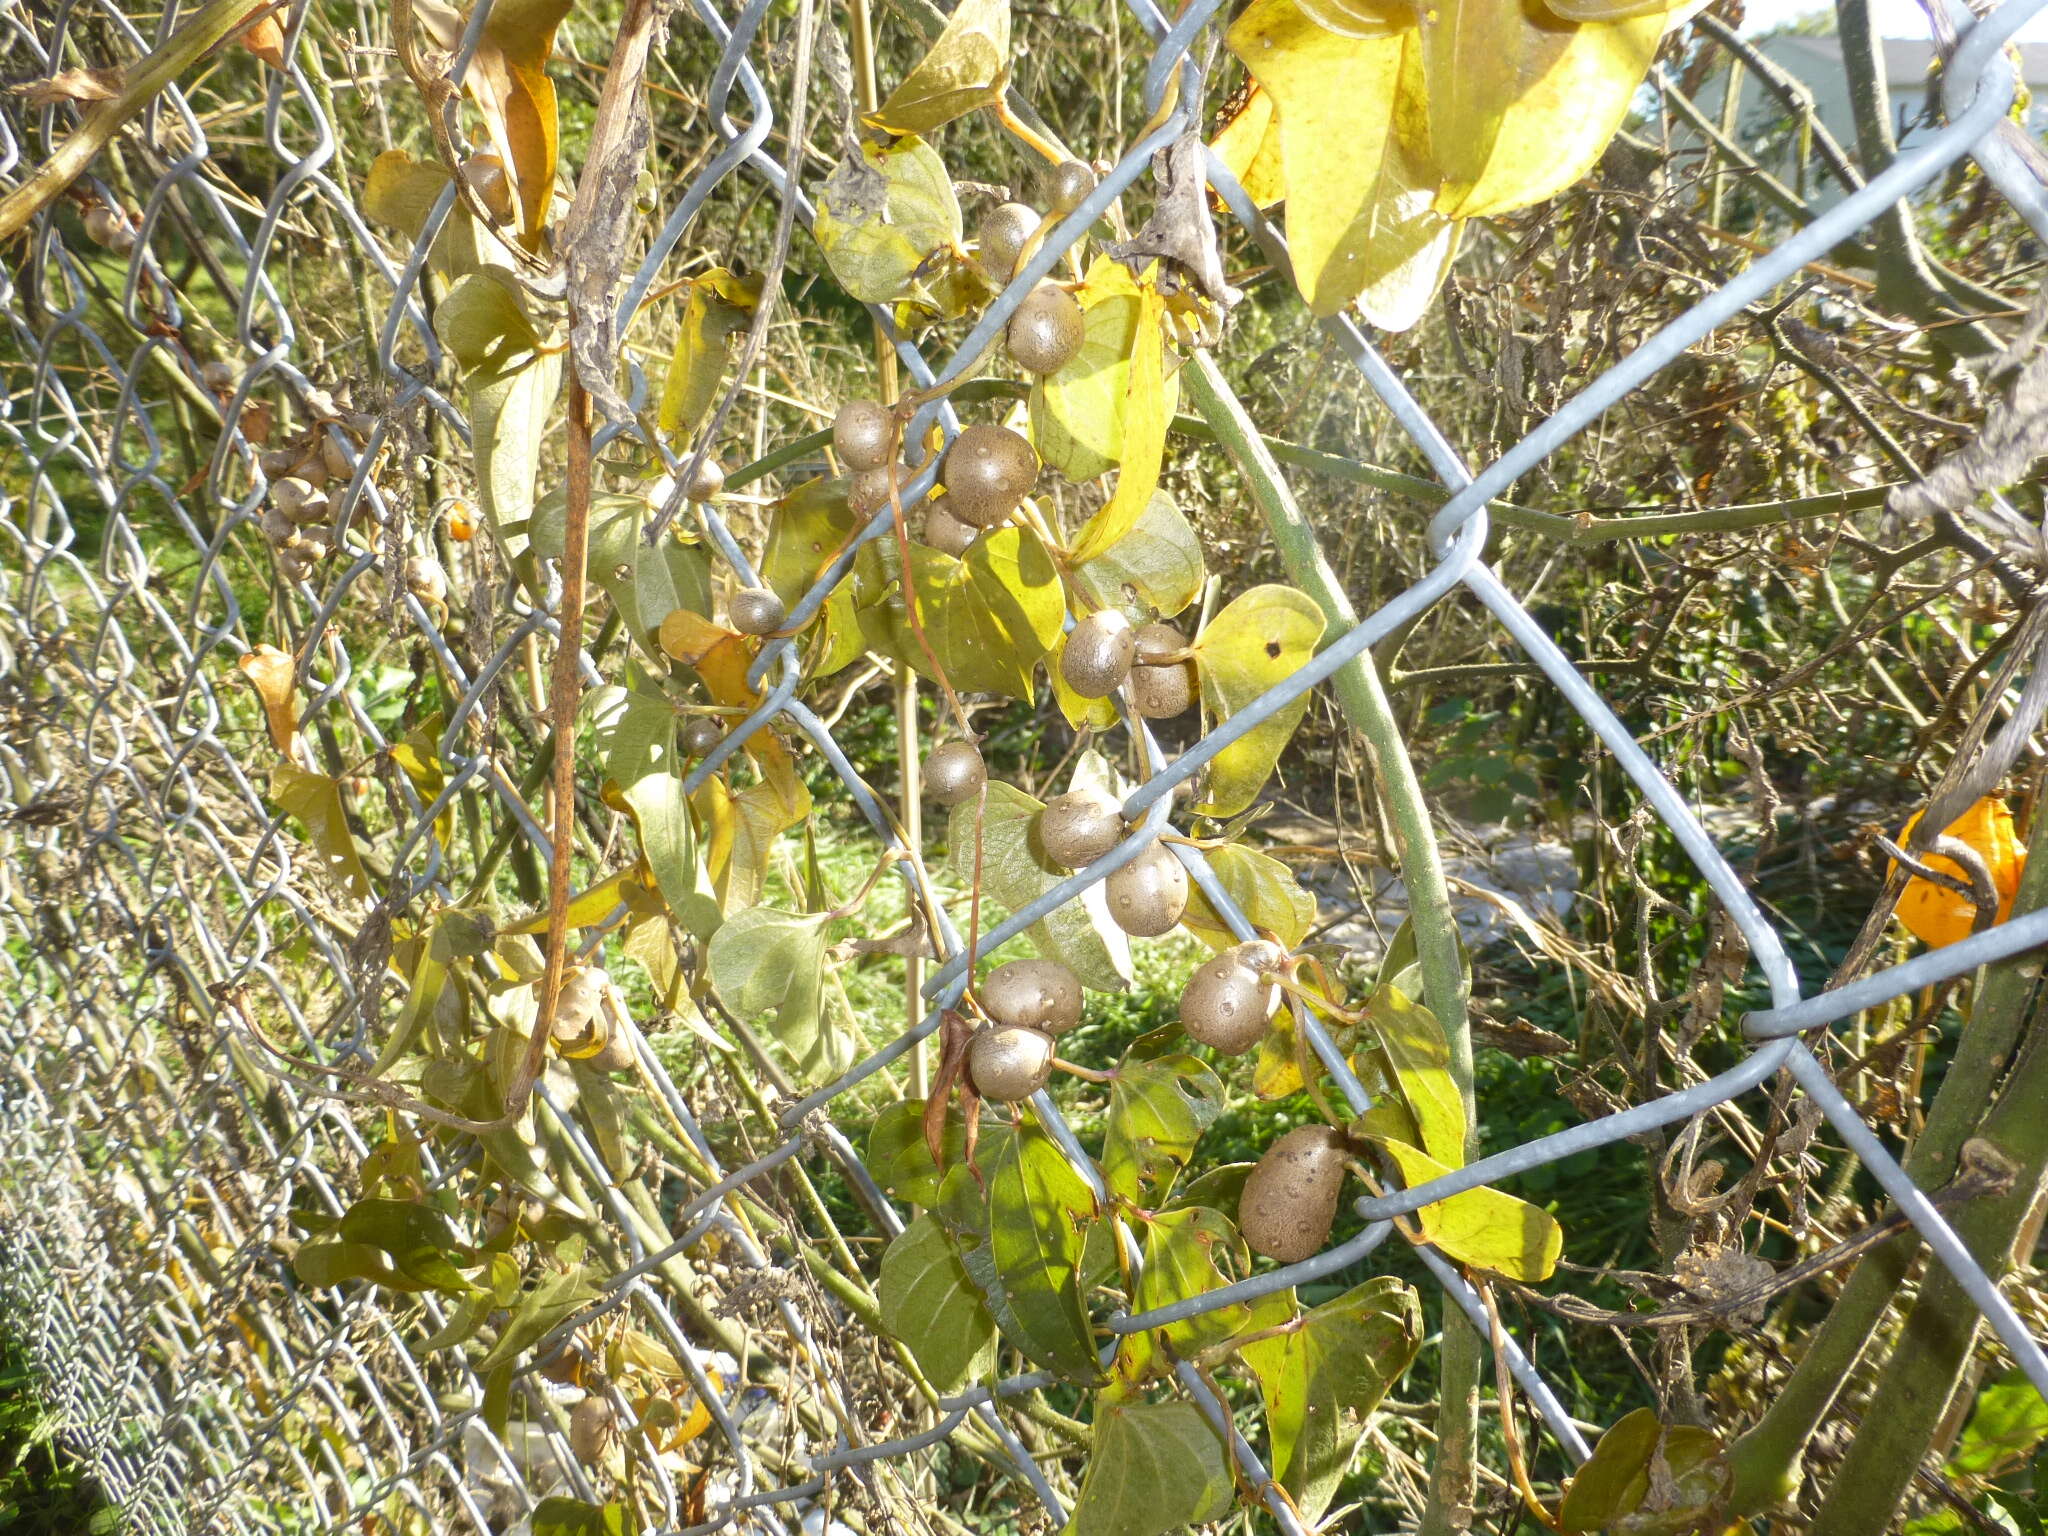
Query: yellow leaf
{"type": "Point", "coordinates": [721, 659]}
{"type": "Point", "coordinates": [717, 306]}
{"type": "Point", "coordinates": [1261, 638]}
{"type": "Point", "coordinates": [740, 833]}
{"type": "Point", "coordinates": [273, 674]}
{"type": "Point", "coordinates": [1485, 1228]}
{"type": "Point", "coordinates": [1249, 145]}
{"type": "Point", "coordinates": [313, 800]}
{"type": "Point", "coordinates": [1145, 414]}
{"type": "Point", "coordinates": [508, 77]}
{"type": "Point", "coordinates": [1077, 413]}
{"type": "Point", "coordinates": [1420, 1055]}
{"type": "Point", "coordinates": [417, 759]}
{"type": "Point", "coordinates": [1937, 915]}
{"type": "Point", "coordinates": [965, 69]}
{"type": "Point", "coordinates": [1360, 224]}
{"type": "Point", "coordinates": [880, 219]}
{"type": "Point", "coordinates": [632, 886]}
{"type": "Point", "coordinates": [1522, 102]}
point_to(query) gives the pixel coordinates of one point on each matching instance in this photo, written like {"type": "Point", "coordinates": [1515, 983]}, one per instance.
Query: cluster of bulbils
{"type": "Point", "coordinates": [298, 521]}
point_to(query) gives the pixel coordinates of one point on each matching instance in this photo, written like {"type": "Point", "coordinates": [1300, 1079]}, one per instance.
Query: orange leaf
{"type": "Point", "coordinates": [721, 658]}
{"type": "Point", "coordinates": [264, 37]}
{"type": "Point", "coordinates": [1937, 915]}
{"type": "Point", "coordinates": [274, 675]}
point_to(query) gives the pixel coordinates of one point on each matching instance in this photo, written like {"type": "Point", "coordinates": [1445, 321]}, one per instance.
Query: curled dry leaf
{"type": "Point", "coordinates": [264, 36]}
{"type": "Point", "coordinates": [273, 674]}
{"type": "Point", "coordinates": [71, 85]}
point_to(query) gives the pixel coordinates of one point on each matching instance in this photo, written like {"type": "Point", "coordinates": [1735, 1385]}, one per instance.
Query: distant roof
{"type": "Point", "coordinates": [1906, 62]}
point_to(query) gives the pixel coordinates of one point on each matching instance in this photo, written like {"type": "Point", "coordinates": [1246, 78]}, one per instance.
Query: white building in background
{"type": "Point", "coordinates": [1816, 61]}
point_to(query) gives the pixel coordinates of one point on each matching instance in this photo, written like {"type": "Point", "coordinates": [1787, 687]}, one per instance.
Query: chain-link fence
{"type": "Point", "coordinates": [162, 922]}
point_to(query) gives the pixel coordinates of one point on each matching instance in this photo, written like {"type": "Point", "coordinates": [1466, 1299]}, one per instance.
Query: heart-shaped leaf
{"type": "Point", "coordinates": [1261, 638]}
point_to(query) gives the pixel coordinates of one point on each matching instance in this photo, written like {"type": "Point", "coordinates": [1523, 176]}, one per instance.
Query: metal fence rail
{"type": "Point", "coordinates": [148, 1164]}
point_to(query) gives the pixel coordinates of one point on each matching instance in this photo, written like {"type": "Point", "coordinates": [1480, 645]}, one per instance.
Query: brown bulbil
{"type": "Point", "coordinates": [1290, 1198]}
{"type": "Point", "coordinates": [1004, 231]}
{"type": "Point", "coordinates": [1228, 1002]}
{"type": "Point", "coordinates": [954, 772]}
{"type": "Point", "coordinates": [109, 227]}
{"type": "Point", "coordinates": [1098, 653]}
{"type": "Point", "coordinates": [1046, 331]}
{"type": "Point", "coordinates": [987, 471]}
{"type": "Point", "coordinates": [862, 434]}
{"type": "Point", "coordinates": [1068, 184]}
{"type": "Point", "coordinates": [868, 491]}
{"type": "Point", "coordinates": [706, 481]}
{"type": "Point", "coordinates": [1148, 895]}
{"type": "Point", "coordinates": [945, 532]}
{"type": "Point", "coordinates": [1080, 826]}
{"type": "Point", "coordinates": [755, 611]}
{"type": "Point", "coordinates": [1007, 1062]}
{"type": "Point", "coordinates": [1161, 689]}
{"type": "Point", "coordinates": [1033, 994]}
{"type": "Point", "coordinates": [590, 1429]}
{"type": "Point", "coordinates": [699, 735]}
{"type": "Point", "coordinates": [220, 376]}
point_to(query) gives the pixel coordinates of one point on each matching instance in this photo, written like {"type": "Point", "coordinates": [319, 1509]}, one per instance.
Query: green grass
{"type": "Point", "coordinates": [43, 1489]}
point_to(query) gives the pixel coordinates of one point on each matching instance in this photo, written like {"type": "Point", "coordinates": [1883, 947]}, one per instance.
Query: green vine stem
{"type": "Point", "coordinates": [1766, 1460]}
{"type": "Point", "coordinates": [1363, 699]}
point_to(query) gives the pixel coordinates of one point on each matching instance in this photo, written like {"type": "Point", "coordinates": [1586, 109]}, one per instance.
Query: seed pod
{"type": "Point", "coordinates": [1033, 994]}
{"type": "Point", "coordinates": [578, 1001]}
{"type": "Point", "coordinates": [707, 481]}
{"type": "Point", "coordinates": [293, 565]}
{"type": "Point", "coordinates": [863, 434]}
{"type": "Point", "coordinates": [318, 543]}
{"type": "Point", "coordinates": [336, 458]}
{"type": "Point", "coordinates": [1068, 184]}
{"type": "Point", "coordinates": [1001, 239]}
{"type": "Point", "coordinates": [565, 1369]}
{"type": "Point", "coordinates": [425, 579]}
{"type": "Point", "coordinates": [276, 463]}
{"type": "Point", "coordinates": [1229, 1001]}
{"type": "Point", "coordinates": [987, 471]}
{"type": "Point", "coordinates": [1161, 689]}
{"type": "Point", "coordinates": [278, 528]}
{"type": "Point", "coordinates": [109, 227]}
{"type": "Point", "coordinates": [954, 772]}
{"type": "Point", "coordinates": [868, 491]}
{"type": "Point", "coordinates": [220, 376]}
{"type": "Point", "coordinates": [616, 1054]}
{"type": "Point", "coordinates": [1148, 895]}
{"type": "Point", "coordinates": [1006, 1062]}
{"type": "Point", "coordinates": [700, 734]}
{"type": "Point", "coordinates": [289, 494]}
{"type": "Point", "coordinates": [1079, 827]}
{"type": "Point", "coordinates": [314, 510]}
{"type": "Point", "coordinates": [1098, 653]}
{"type": "Point", "coordinates": [1046, 331]}
{"type": "Point", "coordinates": [755, 611]}
{"type": "Point", "coordinates": [1290, 1198]}
{"type": "Point", "coordinates": [486, 177]}
{"type": "Point", "coordinates": [945, 532]}
{"type": "Point", "coordinates": [590, 1429]}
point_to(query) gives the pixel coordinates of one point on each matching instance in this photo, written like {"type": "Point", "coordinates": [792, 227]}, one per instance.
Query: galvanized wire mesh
{"type": "Point", "coordinates": [149, 1158]}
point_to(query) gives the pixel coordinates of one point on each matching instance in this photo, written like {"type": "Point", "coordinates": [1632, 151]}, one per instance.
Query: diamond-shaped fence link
{"type": "Point", "coordinates": [151, 1154]}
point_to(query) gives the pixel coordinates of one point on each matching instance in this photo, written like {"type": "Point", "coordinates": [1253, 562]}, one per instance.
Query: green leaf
{"type": "Point", "coordinates": [1486, 1228]}
{"type": "Point", "coordinates": [511, 385]}
{"type": "Point", "coordinates": [1360, 220]}
{"type": "Point", "coordinates": [418, 1238]}
{"type": "Point", "coordinates": [965, 69]}
{"type": "Point", "coordinates": [559, 1516]}
{"type": "Point", "coordinates": [1156, 566]}
{"type": "Point", "coordinates": [1156, 1467]}
{"type": "Point", "coordinates": [898, 1159]}
{"type": "Point", "coordinates": [636, 743]}
{"type": "Point", "coordinates": [536, 1312]}
{"type": "Point", "coordinates": [1077, 413]}
{"type": "Point", "coordinates": [1029, 1267]}
{"type": "Point", "coordinates": [1522, 103]}
{"type": "Point", "coordinates": [1262, 637]}
{"type": "Point", "coordinates": [930, 1304]}
{"type": "Point", "coordinates": [646, 583]}
{"type": "Point", "coordinates": [1612, 1491]}
{"type": "Point", "coordinates": [716, 306]}
{"type": "Point", "coordinates": [400, 192]}
{"type": "Point", "coordinates": [465, 1317]}
{"type": "Point", "coordinates": [806, 529]}
{"type": "Point", "coordinates": [1264, 888]}
{"type": "Point", "coordinates": [764, 961]}
{"type": "Point", "coordinates": [328, 1263]}
{"type": "Point", "coordinates": [1323, 1379]}
{"type": "Point", "coordinates": [881, 219]}
{"type": "Point", "coordinates": [2009, 1421]}
{"type": "Point", "coordinates": [313, 800]}
{"type": "Point", "coordinates": [1421, 1058]}
{"type": "Point", "coordinates": [989, 619]}
{"type": "Point", "coordinates": [1014, 871]}
{"type": "Point", "coordinates": [1158, 1109]}
{"type": "Point", "coordinates": [1190, 1251]}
